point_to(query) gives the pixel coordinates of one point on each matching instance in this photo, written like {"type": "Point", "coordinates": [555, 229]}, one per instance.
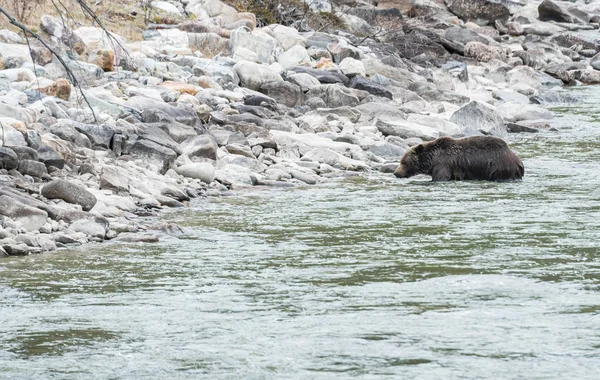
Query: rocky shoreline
{"type": "Point", "coordinates": [215, 103]}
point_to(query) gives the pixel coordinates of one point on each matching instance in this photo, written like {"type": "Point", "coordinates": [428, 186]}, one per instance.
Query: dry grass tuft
{"type": "Point", "coordinates": [123, 17]}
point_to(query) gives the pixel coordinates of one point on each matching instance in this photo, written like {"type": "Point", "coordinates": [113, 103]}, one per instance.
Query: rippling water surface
{"type": "Point", "coordinates": [369, 278]}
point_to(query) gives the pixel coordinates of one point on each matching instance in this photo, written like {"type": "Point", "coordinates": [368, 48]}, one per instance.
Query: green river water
{"type": "Point", "coordinates": [369, 277]}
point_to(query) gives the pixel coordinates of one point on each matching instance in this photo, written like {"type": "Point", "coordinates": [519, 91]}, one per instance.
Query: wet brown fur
{"type": "Point", "coordinates": [472, 158]}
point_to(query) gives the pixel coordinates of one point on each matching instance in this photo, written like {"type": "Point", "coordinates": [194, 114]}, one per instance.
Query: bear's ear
{"type": "Point", "coordinates": [419, 149]}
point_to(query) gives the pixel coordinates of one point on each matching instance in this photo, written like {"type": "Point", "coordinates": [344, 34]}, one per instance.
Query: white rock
{"type": "Point", "coordinates": [26, 115]}
{"type": "Point", "coordinates": [287, 36]}
{"type": "Point", "coordinates": [144, 91]}
{"type": "Point", "coordinates": [235, 175]}
{"type": "Point", "coordinates": [243, 54]}
{"type": "Point", "coordinates": [518, 112]}
{"type": "Point", "coordinates": [319, 5]}
{"type": "Point", "coordinates": [18, 75]}
{"type": "Point", "coordinates": [14, 50]}
{"type": "Point", "coordinates": [352, 67]}
{"type": "Point", "coordinates": [9, 135]}
{"type": "Point", "coordinates": [96, 39]}
{"type": "Point", "coordinates": [295, 56]}
{"type": "Point", "coordinates": [214, 9]}
{"type": "Point", "coordinates": [523, 75]}
{"type": "Point", "coordinates": [329, 157]}
{"type": "Point", "coordinates": [305, 81]}
{"type": "Point", "coordinates": [445, 126]}
{"type": "Point", "coordinates": [406, 129]}
{"type": "Point", "coordinates": [261, 44]}
{"type": "Point", "coordinates": [253, 75]}
{"type": "Point", "coordinates": [166, 7]}
{"type": "Point", "coordinates": [202, 171]}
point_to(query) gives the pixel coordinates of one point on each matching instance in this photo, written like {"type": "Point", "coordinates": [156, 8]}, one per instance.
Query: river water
{"type": "Point", "coordinates": [370, 277]}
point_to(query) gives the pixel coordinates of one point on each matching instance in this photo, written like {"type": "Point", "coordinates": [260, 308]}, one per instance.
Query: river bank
{"type": "Point", "coordinates": [358, 278]}
{"type": "Point", "coordinates": [217, 104]}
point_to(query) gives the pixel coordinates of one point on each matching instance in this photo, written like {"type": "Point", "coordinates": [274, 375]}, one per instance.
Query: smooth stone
{"type": "Point", "coordinates": [477, 118]}
{"type": "Point", "coordinates": [30, 217]}
{"type": "Point", "coordinates": [8, 159]}
{"type": "Point", "coordinates": [198, 170]}
{"type": "Point", "coordinates": [33, 168]}
{"type": "Point", "coordinates": [304, 177]}
{"type": "Point", "coordinates": [88, 223]}
{"type": "Point", "coordinates": [69, 192]}
{"type": "Point", "coordinates": [130, 237]}
{"type": "Point", "coordinates": [253, 75]}
{"type": "Point", "coordinates": [168, 201]}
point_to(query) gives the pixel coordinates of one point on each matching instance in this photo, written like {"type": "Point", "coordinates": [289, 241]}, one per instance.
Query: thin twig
{"type": "Point", "coordinates": [87, 10]}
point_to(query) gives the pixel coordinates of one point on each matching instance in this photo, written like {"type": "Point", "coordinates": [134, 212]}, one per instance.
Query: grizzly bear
{"type": "Point", "coordinates": [471, 158]}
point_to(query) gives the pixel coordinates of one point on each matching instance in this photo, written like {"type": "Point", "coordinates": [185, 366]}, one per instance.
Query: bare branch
{"type": "Point", "coordinates": [70, 74]}
{"type": "Point", "coordinates": [87, 10]}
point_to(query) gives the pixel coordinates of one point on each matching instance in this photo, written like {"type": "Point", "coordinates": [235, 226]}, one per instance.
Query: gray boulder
{"type": "Point", "coordinates": [323, 76]}
{"type": "Point", "coordinates": [319, 39]}
{"type": "Point", "coordinates": [83, 71]}
{"type": "Point", "coordinates": [87, 223]}
{"type": "Point", "coordinates": [158, 136]}
{"type": "Point", "coordinates": [181, 113]}
{"type": "Point", "coordinates": [69, 192]}
{"type": "Point", "coordinates": [595, 61]}
{"type": "Point", "coordinates": [420, 44]}
{"type": "Point", "coordinates": [334, 95]}
{"type": "Point", "coordinates": [464, 36]}
{"type": "Point", "coordinates": [50, 157]}
{"type": "Point", "coordinates": [65, 129]}
{"type": "Point", "coordinates": [304, 80]}
{"type": "Point", "coordinates": [11, 136]}
{"type": "Point", "coordinates": [304, 177]}
{"type": "Point", "coordinates": [199, 170]}
{"type": "Point", "coordinates": [371, 87]}
{"type": "Point", "coordinates": [235, 176]}
{"type": "Point", "coordinates": [550, 11]}
{"type": "Point", "coordinates": [114, 178]}
{"type": "Point", "coordinates": [390, 126]}
{"type": "Point", "coordinates": [241, 150]}
{"type": "Point", "coordinates": [15, 249]}
{"type": "Point", "coordinates": [519, 112]}
{"type": "Point", "coordinates": [177, 131]}
{"type": "Point", "coordinates": [30, 217]}
{"type": "Point", "coordinates": [351, 113]}
{"type": "Point", "coordinates": [44, 243]}
{"type": "Point", "coordinates": [222, 74]}
{"type": "Point", "coordinates": [201, 146]}
{"type": "Point", "coordinates": [33, 168]}
{"type": "Point", "coordinates": [253, 75]}
{"type": "Point", "coordinates": [477, 118]}
{"type": "Point", "coordinates": [457, 69]}
{"type": "Point", "coordinates": [286, 93]}
{"type": "Point", "coordinates": [385, 149]}
{"type": "Point", "coordinates": [429, 92]}
{"type": "Point", "coordinates": [99, 135]}
{"type": "Point", "coordinates": [569, 39]}
{"type": "Point", "coordinates": [484, 53]}
{"type": "Point", "coordinates": [58, 29]}
{"type": "Point", "coordinates": [8, 159]}
{"type": "Point", "coordinates": [156, 156]}
{"type": "Point", "coordinates": [510, 96]}
{"type": "Point", "coordinates": [30, 201]}
{"type": "Point", "coordinates": [481, 12]}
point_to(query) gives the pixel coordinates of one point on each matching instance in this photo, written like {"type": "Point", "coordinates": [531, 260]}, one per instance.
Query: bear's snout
{"type": "Point", "coordinates": [400, 172]}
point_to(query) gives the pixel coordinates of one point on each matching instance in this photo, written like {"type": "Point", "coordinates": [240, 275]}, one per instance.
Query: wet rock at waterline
{"type": "Point", "coordinates": [69, 192]}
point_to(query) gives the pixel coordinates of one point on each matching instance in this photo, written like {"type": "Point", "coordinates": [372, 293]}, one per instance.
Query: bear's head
{"type": "Point", "coordinates": [415, 161]}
